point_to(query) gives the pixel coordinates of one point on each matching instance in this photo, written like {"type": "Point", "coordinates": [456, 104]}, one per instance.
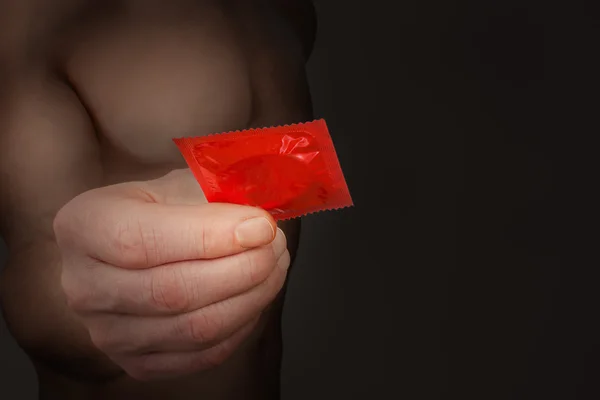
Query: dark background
{"type": "Point", "coordinates": [468, 267]}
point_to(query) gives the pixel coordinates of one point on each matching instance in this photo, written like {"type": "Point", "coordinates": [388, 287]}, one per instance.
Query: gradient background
{"type": "Point", "coordinates": [469, 267]}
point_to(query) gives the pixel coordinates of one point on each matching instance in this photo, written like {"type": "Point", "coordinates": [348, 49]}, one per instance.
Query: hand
{"type": "Point", "coordinates": [165, 282]}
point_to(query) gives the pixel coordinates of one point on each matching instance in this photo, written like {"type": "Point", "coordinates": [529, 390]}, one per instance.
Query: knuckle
{"type": "Point", "coordinates": [168, 290]}
{"type": "Point", "coordinates": [203, 327]}
{"type": "Point", "coordinates": [196, 328]}
{"type": "Point", "coordinates": [68, 219]}
{"type": "Point", "coordinates": [106, 339]}
{"type": "Point", "coordinates": [77, 298]}
{"type": "Point", "coordinates": [59, 224]}
{"type": "Point", "coordinates": [102, 335]}
{"type": "Point", "coordinates": [217, 356]}
{"type": "Point", "coordinates": [76, 301]}
{"type": "Point", "coordinates": [142, 369]}
{"type": "Point", "coordinates": [102, 340]}
{"type": "Point", "coordinates": [62, 223]}
{"type": "Point", "coordinates": [135, 244]}
{"type": "Point", "coordinates": [128, 244]}
{"type": "Point", "coordinates": [77, 279]}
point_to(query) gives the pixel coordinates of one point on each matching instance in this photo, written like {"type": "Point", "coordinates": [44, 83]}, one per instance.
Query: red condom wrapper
{"type": "Point", "coordinates": [289, 170]}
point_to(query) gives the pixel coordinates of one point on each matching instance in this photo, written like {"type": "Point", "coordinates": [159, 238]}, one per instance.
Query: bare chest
{"type": "Point", "coordinates": [147, 75]}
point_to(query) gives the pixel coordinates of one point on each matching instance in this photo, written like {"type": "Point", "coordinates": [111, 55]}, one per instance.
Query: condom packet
{"type": "Point", "coordinates": [289, 170]}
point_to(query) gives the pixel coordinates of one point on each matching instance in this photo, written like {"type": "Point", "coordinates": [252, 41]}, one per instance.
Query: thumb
{"type": "Point", "coordinates": [146, 224]}
{"type": "Point", "coordinates": [180, 187]}
{"type": "Point", "coordinates": [152, 234]}
{"type": "Point", "coordinates": [176, 223]}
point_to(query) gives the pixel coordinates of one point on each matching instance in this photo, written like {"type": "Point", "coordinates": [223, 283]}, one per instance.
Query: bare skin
{"type": "Point", "coordinates": [90, 98]}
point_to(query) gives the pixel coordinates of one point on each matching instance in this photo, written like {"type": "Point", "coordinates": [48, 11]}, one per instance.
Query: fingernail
{"type": "Point", "coordinates": [254, 232]}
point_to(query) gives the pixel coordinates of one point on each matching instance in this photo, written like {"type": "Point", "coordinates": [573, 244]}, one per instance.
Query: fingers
{"type": "Point", "coordinates": [165, 365]}
{"type": "Point", "coordinates": [129, 233]}
{"type": "Point", "coordinates": [196, 330]}
{"type": "Point", "coordinates": [169, 289]}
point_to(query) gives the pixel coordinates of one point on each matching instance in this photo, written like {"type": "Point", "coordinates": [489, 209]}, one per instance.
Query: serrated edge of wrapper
{"type": "Point", "coordinates": [254, 130]}
{"type": "Point", "coordinates": [316, 211]}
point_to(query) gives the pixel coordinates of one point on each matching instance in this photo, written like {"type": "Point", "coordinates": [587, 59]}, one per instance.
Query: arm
{"type": "Point", "coordinates": [48, 155]}
{"type": "Point", "coordinates": [302, 17]}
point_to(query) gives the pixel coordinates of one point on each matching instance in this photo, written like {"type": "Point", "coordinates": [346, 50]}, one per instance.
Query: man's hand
{"type": "Point", "coordinates": [166, 283]}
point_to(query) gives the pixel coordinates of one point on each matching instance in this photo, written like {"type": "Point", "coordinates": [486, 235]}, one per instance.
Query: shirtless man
{"type": "Point", "coordinates": [122, 282]}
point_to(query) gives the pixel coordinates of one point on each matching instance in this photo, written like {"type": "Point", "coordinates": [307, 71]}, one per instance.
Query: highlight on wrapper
{"type": "Point", "coordinates": [289, 171]}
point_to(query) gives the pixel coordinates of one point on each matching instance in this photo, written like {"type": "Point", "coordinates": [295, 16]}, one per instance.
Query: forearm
{"type": "Point", "coordinates": [36, 314]}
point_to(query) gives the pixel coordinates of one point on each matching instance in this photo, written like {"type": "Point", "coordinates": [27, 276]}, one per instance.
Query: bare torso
{"type": "Point", "coordinates": [144, 72]}
{"type": "Point", "coordinates": [157, 70]}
